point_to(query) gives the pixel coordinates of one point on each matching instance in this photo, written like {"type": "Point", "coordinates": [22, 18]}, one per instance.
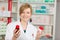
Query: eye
{"type": "Point", "coordinates": [27, 12]}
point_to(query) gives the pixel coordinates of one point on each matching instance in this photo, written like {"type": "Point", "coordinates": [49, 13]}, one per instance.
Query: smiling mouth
{"type": "Point", "coordinates": [25, 17]}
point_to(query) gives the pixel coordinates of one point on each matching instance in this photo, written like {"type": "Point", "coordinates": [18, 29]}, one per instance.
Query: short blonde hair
{"type": "Point", "coordinates": [24, 6]}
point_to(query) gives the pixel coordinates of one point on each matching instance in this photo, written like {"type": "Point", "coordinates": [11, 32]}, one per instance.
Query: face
{"type": "Point", "coordinates": [25, 15]}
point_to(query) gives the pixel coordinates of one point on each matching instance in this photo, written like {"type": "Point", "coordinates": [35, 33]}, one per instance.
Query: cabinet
{"type": "Point", "coordinates": [44, 14]}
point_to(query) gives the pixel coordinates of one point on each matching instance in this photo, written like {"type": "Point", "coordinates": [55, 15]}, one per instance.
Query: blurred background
{"type": "Point", "coordinates": [45, 14]}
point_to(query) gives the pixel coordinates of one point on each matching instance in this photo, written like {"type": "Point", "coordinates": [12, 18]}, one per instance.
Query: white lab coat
{"type": "Point", "coordinates": [29, 35]}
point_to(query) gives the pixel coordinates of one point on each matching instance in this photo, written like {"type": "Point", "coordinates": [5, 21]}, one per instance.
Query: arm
{"type": "Point", "coordinates": [14, 38]}
{"type": "Point", "coordinates": [16, 34]}
{"type": "Point", "coordinates": [10, 32]}
{"type": "Point", "coordinates": [37, 39]}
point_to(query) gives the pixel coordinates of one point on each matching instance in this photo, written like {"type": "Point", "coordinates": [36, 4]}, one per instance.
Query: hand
{"type": "Point", "coordinates": [16, 34]}
{"type": "Point", "coordinates": [38, 35]}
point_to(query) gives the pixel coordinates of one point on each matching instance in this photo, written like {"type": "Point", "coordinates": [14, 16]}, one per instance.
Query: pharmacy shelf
{"type": "Point", "coordinates": [43, 24]}
{"type": "Point", "coordinates": [4, 16]}
{"type": "Point", "coordinates": [39, 14]}
{"type": "Point", "coordinates": [14, 1]}
{"type": "Point", "coordinates": [14, 12]}
{"type": "Point", "coordinates": [37, 3]}
{"type": "Point", "coordinates": [2, 33]}
{"type": "Point", "coordinates": [43, 14]}
{"type": "Point", "coordinates": [45, 35]}
{"type": "Point", "coordinates": [3, 1]}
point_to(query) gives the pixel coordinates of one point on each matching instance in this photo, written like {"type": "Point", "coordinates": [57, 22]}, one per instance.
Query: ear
{"type": "Point", "coordinates": [30, 19]}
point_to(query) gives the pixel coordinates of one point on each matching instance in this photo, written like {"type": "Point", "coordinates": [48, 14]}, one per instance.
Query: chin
{"type": "Point", "coordinates": [26, 20]}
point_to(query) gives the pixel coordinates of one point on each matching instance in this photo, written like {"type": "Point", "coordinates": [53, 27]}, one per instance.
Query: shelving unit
{"type": "Point", "coordinates": [14, 10]}
{"type": "Point", "coordinates": [38, 17]}
{"type": "Point", "coordinates": [3, 18]}
{"type": "Point", "coordinates": [4, 14]}
{"type": "Point", "coordinates": [50, 10]}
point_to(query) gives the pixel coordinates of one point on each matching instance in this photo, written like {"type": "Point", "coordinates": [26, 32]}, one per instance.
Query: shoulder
{"type": "Point", "coordinates": [11, 25]}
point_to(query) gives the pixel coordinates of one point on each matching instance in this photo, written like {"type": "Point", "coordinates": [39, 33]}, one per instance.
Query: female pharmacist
{"type": "Point", "coordinates": [26, 30]}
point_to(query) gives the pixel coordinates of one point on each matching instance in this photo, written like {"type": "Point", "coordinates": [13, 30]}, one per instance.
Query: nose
{"type": "Point", "coordinates": [25, 14]}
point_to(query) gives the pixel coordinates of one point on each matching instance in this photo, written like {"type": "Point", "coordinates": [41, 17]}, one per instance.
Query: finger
{"type": "Point", "coordinates": [18, 32]}
{"type": "Point", "coordinates": [39, 32]}
{"type": "Point", "coordinates": [15, 30]}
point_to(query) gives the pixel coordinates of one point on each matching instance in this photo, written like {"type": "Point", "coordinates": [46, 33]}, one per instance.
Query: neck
{"type": "Point", "coordinates": [24, 24]}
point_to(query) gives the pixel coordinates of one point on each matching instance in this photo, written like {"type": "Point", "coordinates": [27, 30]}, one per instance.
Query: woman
{"type": "Point", "coordinates": [26, 31]}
